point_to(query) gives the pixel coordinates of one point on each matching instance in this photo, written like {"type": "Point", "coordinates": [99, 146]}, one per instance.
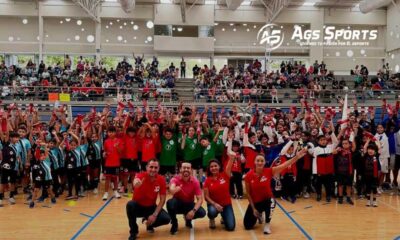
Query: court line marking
{"type": "Point", "coordinates": [291, 212]}
{"type": "Point", "coordinates": [86, 215]}
{"type": "Point", "coordinates": [67, 210]}
{"type": "Point", "coordinates": [192, 231]}
{"type": "Point", "coordinates": [390, 206]}
{"type": "Point", "coordinates": [294, 221]}
{"type": "Point", "coordinates": [308, 207]}
{"type": "Point", "coordinates": [76, 235]}
{"type": "Point", "coordinates": [252, 233]}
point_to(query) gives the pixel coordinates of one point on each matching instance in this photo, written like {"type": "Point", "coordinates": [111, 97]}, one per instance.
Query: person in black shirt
{"type": "Point", "coordinates": [183, 68]}
{"type": "Point", "coordinates": [9, 164]}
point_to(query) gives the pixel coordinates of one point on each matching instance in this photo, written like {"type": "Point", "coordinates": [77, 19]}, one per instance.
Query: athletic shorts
{"type": "Point", "coordinates": [8, 176]}
{"type": "Point", "coordinates": [384, 165]}
{"type": "Point", "coordinates": [94, 164]}
{"type": "Point", "coordinates": [61, 171]}
{"type": "Point", "coordinates": [344, 180]}
{"type": "Point", "coordinates": [397, 162]}
{"type": "Point", "coordinates": [113, 171]}
{"type": "Point", "coordinates": [167, 169]}
{"type": "Point", "coordinates": [129, 166]}
{"type": "Point", "coordinates": [43, 184]}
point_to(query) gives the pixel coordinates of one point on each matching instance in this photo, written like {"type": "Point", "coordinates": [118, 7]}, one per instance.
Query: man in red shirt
{"type": "Point", "coordinates": [112, 151]}
{"type": "Point", "coordinates": [184, 187]}
{"type": "Point", "coordinates": [147, 187]}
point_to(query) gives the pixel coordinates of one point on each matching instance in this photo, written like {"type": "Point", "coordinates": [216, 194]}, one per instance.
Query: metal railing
{"type": "Point", "coordinates": [286, 95]}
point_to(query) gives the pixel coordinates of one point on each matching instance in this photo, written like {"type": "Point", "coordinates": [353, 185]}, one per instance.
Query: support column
{"type": "Point", "coordinates": [40, 32]}
{"type": "Point", "coordinates": [317, 23]}
{"type": "Point", "coordinates": [98, 42]}
{"type": "Point", "coordinates": [211, 60]}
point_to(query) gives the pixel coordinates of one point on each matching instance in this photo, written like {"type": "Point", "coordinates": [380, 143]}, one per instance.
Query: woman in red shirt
{"type": "Point", "coordinates": [216, 192]}
{"type": "Point", "coordinates": [258, 188]}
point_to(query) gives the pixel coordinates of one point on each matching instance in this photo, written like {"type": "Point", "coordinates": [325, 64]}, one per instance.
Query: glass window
{"type": "Point", "coordinates": [24, 59]}
{"type": "Point", "coordinates": [163, 30]}
{"type": "Point", "coordinates": [52, 60]}
{"type": "Point", "coordinates": [111, 61]}
{"type": "Point", "coordinates": [206, 31]}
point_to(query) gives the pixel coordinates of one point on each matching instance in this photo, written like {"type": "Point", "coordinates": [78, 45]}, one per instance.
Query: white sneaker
{"type": "Point", "coordinates": [95, 191]}
{"type": "Point", "coordinates": [306, 195]}
{"type": "Point", "coordinates": [1, 203]}
{"type": "Point", "coordinates": [375, 204]}
{"type": "Point", "coordinates": [105, 196]}
{"type": "Point", "coordinates": [368, 203]}
{"type": "Point", "coordinates": [116, 194]}
{"type": "Point", "coordinates": [212, 224]}
{"type": "Point", "coordinates": [11, 201]}
{"type": "Point", "coordinates": [267, 228]}
{"type": "Point", "coordinates": [380, 190]}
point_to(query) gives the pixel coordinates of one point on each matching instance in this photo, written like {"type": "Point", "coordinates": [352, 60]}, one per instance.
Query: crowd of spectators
{"type": "Point", "coordinates": [88, 80]}
{"type": "Point", "coordinates": [251, 82]}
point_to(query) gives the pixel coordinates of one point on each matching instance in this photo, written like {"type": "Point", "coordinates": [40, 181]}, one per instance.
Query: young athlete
{"type": "Point", "coordinates": [344, 169]}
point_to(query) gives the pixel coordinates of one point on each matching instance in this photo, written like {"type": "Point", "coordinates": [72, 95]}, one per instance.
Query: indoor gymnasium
{"type": "Point", "coordinates": [199, 119]}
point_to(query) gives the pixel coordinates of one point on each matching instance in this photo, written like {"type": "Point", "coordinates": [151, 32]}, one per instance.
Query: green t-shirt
{"type": "Point", "coordinates": [168, 151]}
{"type": "Point", "coordinates": [209, 153]}
{"type": "Point", "coordinates": [192, 149]}
{"type": "Point", "coordinates": [220, 144]}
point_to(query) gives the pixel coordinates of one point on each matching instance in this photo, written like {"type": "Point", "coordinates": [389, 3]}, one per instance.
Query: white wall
{"type": "Point", "coordinates": [393, 28]}
{"type": "Point", "coordinates": [171, 14]}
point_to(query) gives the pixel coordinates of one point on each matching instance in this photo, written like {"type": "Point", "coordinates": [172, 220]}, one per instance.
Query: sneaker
{"type": "Point", "coordinates": [340, 200]}
{"type": "Point", "coordinates": [380, 190]}
{"type": "Point", "coordinates": [375, 203]}
{"type": "Point", "coordinates": [212, 224]}
{"type": "Point", "coordinates": [11, 200]}
{"type": "Point", "coordinates": [105, 196]}
{"type": "Point", "coordinates": [293, 199]}
{"type": "Point", "coordinates": [95, 191]}
{"type": "Point", "coordinates": [306, 195]}
{"type": "Point", "coordinates": [368, 203]}
{"type": "Point", "coordinates": [121, 189]}
{"type": "Point", "coordinates": [53, 200]}
{"type": "Point", "coordinates": [328, 199]}
{"type": "Point", "coordinates": [319, 197]}
{"type": "Point", "coordinates": [360, 196]}
{"type": "Point", "coordinates": [150, 229]}
{"type": "Point", "coordinates": [32, 204]}
{"type": "Point", "coordinates": [267, 228]}
{"type": "Point", "coordinates": [82, 194]}
{"type": "Point", "coordinates": [189, 224]}
{"type": "Point", "coordinates": [240, 197]}
{"type": "Point", "coordinates": [349, 201]}
{"type": "Point", "coordinates": [1, 203]}
{"type": "Point", "coordinates": [116, 194]}
{"type": "Point", "coordinates": [233, 196]}
{"type": "Point", "coordinates": [174, 228]}
{"type": "Point", "coordinates": [29, 197]}
{"type": "Point", "coordinates": [70, 197]}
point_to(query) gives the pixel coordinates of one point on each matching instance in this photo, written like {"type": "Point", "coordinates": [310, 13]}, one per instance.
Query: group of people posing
{"type": "Point", "coordinates": [200, 155]}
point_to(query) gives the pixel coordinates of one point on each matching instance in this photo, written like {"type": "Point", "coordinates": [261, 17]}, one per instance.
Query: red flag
{"type": "Point", "coordinates": [121, 106]}
{"type": "Point", "coordinates": [389, 110]}
{"type": "Point", "coordinates": [130, 105]}
{"type": "Point", "coordinates": [343, 121]}
{"type": "Point", "coordinates": [3, 124]}
{"type": "Point", "coordinates": [31, 107]}
{"type": "Point", "coordinates": [293, 110]}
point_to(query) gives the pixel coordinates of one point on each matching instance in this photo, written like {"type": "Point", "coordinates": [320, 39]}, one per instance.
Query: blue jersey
{"type": "Point", "coordinates": [46, 166]}
{"type": "Point", "coordinates": [83, 159]}
{"type": "Point", "coordinates": [23, 146]}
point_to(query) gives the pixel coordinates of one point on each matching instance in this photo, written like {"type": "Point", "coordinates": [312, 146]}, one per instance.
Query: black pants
{"type": "Point", "coordinates": [73, 179]}
{"type": "Point", "coordinates": [289, 185]}
{"type": "Point", "coordinates": [176, 206]}
{"type": "Point", "coordinates": [360, 183]}
{"type": "Point", "coordinates": [183, 72]}
{"type": "Point", "coordinates": [303, 181]}
{"type": "Point", "coordinates": [236, 182]}
{"type": "Point", "coordinates": [327, 181]}
{"type": "Point", "coordinates": [135, 210]}
{"type": "Point", "coordinates": [266, 206]}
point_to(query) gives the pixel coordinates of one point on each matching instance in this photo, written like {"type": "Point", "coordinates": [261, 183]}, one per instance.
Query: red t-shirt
{"type": "Point", "coordinates": [260, 186]}
{"type": "Point", "coordinates": [148, 146]}
{"type": "Point", "coordinates": [112, 148]}
{"type": "Point", "coordinates": [291, 169]}
{"type": "Point", "coordinates": [219, 189]}
{"type": "Point", "coordinates": [190, 188]}
{"type": "Point", "coordinates": [146, 195]}
{"type": "Point", "coordinates": [130, 147]}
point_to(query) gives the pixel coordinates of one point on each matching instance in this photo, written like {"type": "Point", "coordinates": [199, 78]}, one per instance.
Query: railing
{"type": "Point", "coordinates": [286, 95]}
